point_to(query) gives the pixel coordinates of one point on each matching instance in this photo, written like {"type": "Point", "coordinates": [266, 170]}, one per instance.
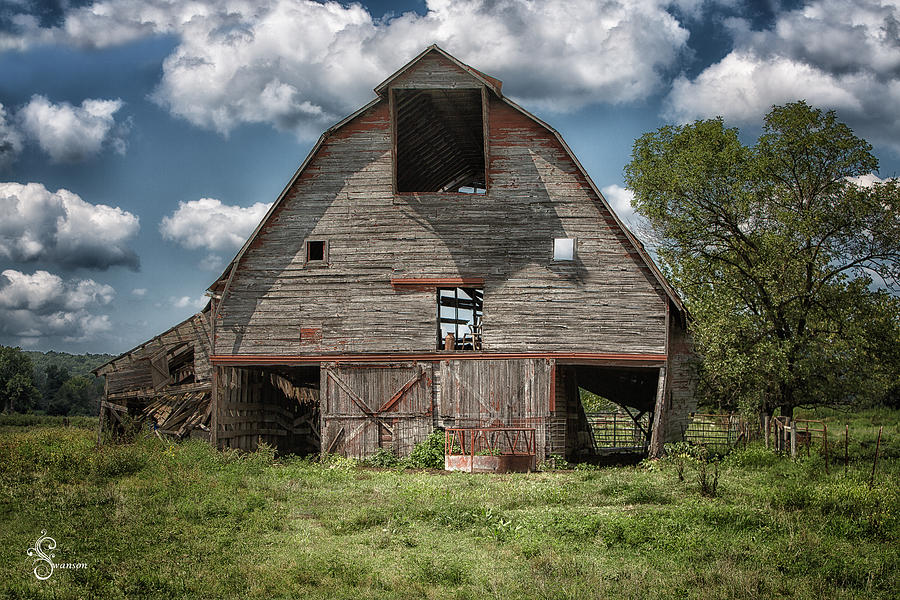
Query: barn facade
{"type": "Point", "coordinates": [441, 260]}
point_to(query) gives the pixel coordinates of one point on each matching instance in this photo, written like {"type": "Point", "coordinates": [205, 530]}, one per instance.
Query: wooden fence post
{"type": "Point", "coordinates": [766, 426]}
{"type": "Point", "coordinates": [875, 462]}
{"type": "Point", "coordinates": [794, 439]}
{"type": "Point", "coordinates": [846, 447]}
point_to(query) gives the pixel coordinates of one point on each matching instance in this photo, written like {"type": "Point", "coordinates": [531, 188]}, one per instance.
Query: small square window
{"type": "Point", "coordinates": [564, 249]}
{"type": "Point", "coordinates": [315, 251]}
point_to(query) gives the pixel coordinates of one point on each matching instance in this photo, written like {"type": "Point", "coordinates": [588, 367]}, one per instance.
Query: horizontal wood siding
{"type": "Point", "coordinates": [605, 301]}
{"type": "Point", "coordinates": [132, 371]}
{"type": "Point", "coordinates": [683, 375]}
{"type": "Point", "coordinates": [435, 72]}
{"type": "Point", "coordinates": [252, 410]}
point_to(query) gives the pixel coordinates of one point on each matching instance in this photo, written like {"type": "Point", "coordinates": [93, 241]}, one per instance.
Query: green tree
{"type": "Point", "coordinates": [785, 263]}
{"type": "Point", "coordinates": [17, 391]}
{"type": "Point", "coordinates": [54, 378]}
{"type": "Point", "coordinates": [77, 396]}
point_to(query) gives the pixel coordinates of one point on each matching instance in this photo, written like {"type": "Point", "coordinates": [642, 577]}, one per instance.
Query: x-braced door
{"type": "Point", "coordinates": [367, 407]}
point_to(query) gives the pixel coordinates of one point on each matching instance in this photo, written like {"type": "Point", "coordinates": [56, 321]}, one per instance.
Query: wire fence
{"type": "Point", "coordinates": [720, 432]}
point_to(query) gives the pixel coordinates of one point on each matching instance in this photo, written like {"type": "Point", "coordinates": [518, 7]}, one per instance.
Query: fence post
{"type": "Point", "coordinates": [766, 426]}
{"type": "Point", "coordinates": [875, 462]}
{"type": "Point", "coordinates": [794, 439]}
{"type": "Point", "coordinates": [825, 436]}
{"type": "Point", "coordinates": [846, 447]}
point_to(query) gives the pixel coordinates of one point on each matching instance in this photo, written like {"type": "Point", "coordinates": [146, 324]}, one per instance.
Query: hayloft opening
{"type": "Point", "coordinates": [440, 141]}
{"type": "Point", "coordinates": [459, 318]}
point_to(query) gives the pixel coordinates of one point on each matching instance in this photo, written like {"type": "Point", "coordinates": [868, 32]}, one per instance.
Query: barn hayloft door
{"type": "Point", "coordinates": [367, 407]}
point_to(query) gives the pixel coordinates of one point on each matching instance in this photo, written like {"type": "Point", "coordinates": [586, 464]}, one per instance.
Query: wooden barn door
{"type": "Point", "coordinates": [367, 407]}
{"type": "Point", "coordinates": [498, 393]}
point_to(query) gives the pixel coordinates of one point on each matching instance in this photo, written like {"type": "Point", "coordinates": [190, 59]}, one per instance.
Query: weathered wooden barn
{"type": "Point", "coordinates": [441, 260]}
{"type": "Point", "coordinates": [166, 381]}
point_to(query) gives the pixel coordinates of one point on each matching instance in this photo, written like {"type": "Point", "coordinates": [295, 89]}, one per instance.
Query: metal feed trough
{"type": "Point", "coordinates": [489, 449]}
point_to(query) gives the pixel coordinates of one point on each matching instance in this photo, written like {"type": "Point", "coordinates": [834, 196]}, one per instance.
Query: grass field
{"type": "Point", "coordinates": [151, 519]}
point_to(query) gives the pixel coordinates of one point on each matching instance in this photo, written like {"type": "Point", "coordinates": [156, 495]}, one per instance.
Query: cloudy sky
{"type": "Point", "coordinates": [142, 140]}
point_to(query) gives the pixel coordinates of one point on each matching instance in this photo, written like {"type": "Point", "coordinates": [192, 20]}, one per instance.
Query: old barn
{"type": "Point", "coordinates": [441, 260]}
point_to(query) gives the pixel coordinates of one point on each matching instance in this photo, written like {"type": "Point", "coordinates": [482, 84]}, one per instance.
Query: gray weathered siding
{"type": "Point", "coordinates": [682, 382]}
{"type": "Point", "coordinates": [606, 301]}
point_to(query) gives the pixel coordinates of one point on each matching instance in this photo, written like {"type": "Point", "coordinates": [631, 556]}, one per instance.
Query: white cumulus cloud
{"type": "Point", "coordinates": [73, 133]}
{"type": "Point", "coordinates": [60, 227]}
{"type": "Point", "coordinates": [189, 302]}
{"type": "Point", "coordinates": [832, 53]}
{"type": "Point", "coordinates": [42, 305]}
{"type": "Point", "coordinates": [209, 224]}
{"type": "Point", "coordinates": [300, 65]}
{"type": "Point", "coordinates": [620, 199]}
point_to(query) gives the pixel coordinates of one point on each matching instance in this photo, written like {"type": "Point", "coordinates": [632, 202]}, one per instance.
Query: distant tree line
{"type": "Point", "coordinates": [53, 383]}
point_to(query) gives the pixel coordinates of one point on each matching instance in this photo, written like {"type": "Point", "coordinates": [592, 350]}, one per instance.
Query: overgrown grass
{"type": "Point", "coordinates": [157, 520]}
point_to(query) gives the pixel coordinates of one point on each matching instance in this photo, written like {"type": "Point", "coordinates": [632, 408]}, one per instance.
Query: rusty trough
{"type": "Point", "coordinates": [490, 449]}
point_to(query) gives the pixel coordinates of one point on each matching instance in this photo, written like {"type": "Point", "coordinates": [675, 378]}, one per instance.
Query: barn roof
{"type": "Point", "coordinates": [220, 286]}
{"type": "Point", "coordinates": [149, 344]}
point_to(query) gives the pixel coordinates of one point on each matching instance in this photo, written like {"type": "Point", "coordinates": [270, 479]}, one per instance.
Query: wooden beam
{"type": "Point", "coordinates": [660, 417]}
{"type": "Point", "coordinates": [396, 397]}
{"type": "Point", "coordinates": [571, 358]}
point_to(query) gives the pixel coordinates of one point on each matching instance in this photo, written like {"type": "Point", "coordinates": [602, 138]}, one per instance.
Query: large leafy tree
{"type": "Point", "coordinates": [17, 391]}
{"type": "Point", "coordinates": [787, 263]}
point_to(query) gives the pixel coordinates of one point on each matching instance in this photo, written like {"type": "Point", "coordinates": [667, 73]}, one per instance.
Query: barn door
{"type": "Point", "coordinates": [497, 393]}
{"type": "Point", "coordinates": [367, 407]}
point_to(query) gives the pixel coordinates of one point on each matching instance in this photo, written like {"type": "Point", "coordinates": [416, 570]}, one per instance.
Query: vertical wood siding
{"type": "Point", "coordinates": [492, 393]}
{"type": "Point", "coordinates": [365, 408]}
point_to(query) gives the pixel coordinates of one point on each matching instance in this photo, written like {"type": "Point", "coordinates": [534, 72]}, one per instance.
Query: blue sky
{"type": "Point", "coordinates": [141, 140]}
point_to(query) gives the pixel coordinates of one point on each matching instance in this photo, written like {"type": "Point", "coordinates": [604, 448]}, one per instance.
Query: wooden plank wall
{"type": "Point", "coordinates": [435, 72]}
{"type": "Point", "coordinates": [352, 396]}
{"type": "Point", "coordinates": [252, 410]}
{"type": "Point", "coordinates": [604, 301]}
{"type": "Point", "coordinates": [133, 370]}
{"type": "Point", "coordinates": [497, 393]}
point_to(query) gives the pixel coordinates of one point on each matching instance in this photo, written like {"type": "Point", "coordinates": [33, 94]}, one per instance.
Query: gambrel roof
{"type": "Point", "coordinates": [479, 80]}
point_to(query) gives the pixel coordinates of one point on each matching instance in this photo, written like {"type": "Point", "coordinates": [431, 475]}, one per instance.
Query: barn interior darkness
{"type": "Point", "coordinates": [440, 140]}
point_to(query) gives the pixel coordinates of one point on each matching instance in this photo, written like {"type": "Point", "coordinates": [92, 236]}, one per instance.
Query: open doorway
{"type": "Point", "coordinates": [277, 405]}
{"type": "Point", "coordinates": [603, 410]}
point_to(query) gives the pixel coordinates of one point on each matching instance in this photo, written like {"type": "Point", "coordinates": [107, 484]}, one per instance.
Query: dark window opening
{"type": "Point", "coordinates": [460, 318]}
{"type": "Point", "coordinates": [440, 141]}
{"type": "Point", "coordinates": [181, 366]}
{"type": "Point", "coordinates": [315, 251]}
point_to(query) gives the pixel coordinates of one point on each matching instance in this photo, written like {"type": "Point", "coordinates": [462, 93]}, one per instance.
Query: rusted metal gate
{"type": "Point", "coordinates": [497, 393]}
{"type": "Point", "coordinates": [367, 407]}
